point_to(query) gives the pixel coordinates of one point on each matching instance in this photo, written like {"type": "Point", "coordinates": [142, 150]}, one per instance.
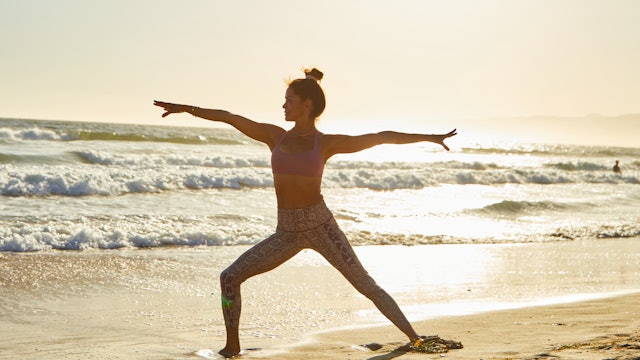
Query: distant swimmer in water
{"type": "Point", "coordinates": [616, 168]}
{"type": "Point", "coordinates": [298, 156]}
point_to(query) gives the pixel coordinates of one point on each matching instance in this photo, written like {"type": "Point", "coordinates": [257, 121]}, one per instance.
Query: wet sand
{"type": "Point", "coordinates": [600, 329]}
{"type": "Point", "coordinates": [164, 303]}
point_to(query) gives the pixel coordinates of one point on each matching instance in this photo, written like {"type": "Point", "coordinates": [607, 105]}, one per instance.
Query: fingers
{"type": "Point", "coordinates": [167, 107]}
{"type": "Point", "coordinates": [164, 105]}
{"type": "Point", "coordinates": [451, 133]}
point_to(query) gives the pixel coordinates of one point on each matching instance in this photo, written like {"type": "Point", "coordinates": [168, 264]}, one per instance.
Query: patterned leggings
{"type": "Point", "coordinates": [315, 228]}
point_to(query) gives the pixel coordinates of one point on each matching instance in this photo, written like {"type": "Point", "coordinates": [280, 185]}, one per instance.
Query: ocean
{"type": "Point", "coordinates": [112, 236]}
{"type": "Point", "coordinates": [81, 185]}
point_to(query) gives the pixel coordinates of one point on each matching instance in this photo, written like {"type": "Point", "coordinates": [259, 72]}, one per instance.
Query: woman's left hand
{"type": "Point", "coordinates": [439, 139]}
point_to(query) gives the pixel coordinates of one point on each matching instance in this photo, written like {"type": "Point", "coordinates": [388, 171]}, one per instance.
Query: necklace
{"type": "Point", "coordinates": [302, 135]}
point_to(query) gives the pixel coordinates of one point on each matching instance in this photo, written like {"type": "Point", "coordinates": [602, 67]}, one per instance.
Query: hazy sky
{"type": "Point", "coordinates": [397, 62]}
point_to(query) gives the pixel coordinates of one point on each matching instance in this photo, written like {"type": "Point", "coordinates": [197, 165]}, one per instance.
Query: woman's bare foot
{"type": "Point", "coordinates": [232, 347]}
{"type": "Point", "coordinates": [229, 353]}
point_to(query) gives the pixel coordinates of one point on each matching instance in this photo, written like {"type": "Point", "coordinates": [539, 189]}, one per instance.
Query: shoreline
{"type": "Point", "coordinates": [588, 330]}
{"type": "Point", "coordinates": [164, 303]}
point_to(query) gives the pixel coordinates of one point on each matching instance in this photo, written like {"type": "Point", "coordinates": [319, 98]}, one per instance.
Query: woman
{"type": "Point", "coordinates": [297, 160]}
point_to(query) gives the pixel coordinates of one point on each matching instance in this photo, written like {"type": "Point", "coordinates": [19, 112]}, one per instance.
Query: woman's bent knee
{"type": "Point", "coordinates": [227, 277]}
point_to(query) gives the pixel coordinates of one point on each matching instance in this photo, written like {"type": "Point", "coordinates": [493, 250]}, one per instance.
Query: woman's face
{"type": "Point", "coordinates": [294, 107]}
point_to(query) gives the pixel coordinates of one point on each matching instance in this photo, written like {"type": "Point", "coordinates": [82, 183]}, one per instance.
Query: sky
{"type": "Point", "coordinates": [424, 64]}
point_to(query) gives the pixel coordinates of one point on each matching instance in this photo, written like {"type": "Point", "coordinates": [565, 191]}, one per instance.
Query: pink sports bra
{"type": "Point", "coordinates": [308, 163]}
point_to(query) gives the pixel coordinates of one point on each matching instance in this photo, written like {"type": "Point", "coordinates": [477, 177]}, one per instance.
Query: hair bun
{"type": "Point", "coordinates": [313, 74]}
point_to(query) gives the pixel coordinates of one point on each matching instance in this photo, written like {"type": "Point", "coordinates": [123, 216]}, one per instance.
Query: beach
{"type": "Point", "coordinates": [113, 237]}
{"type": "Point", "coordinates": [598, 329]}
{"type": "Point", "coordinates": [522, 301]}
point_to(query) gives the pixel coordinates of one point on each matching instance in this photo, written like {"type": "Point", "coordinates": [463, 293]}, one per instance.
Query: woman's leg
{"type": "Point", "coordinates": [331, 242]}
{"type": "Point", "coordinates": [264, 256]}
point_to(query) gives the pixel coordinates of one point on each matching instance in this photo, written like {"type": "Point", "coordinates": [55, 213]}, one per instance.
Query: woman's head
{"type": "Point", "coordinates": [309, 88]}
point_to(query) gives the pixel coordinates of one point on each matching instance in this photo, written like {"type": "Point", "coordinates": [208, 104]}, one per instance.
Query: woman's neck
{"type": "Point", "coordinates": [303, 129]}
{"type": "Point", "coordinates": [302, 132]}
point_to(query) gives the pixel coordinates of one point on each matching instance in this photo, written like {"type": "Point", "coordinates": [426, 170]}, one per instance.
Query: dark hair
{"type": "Point", "coordinates": [309, 88]}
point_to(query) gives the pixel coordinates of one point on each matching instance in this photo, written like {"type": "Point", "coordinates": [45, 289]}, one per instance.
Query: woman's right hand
{"type": "Point", "coordinates": [170, 108]}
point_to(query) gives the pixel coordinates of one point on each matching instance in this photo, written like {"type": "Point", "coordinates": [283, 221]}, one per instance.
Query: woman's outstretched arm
{"type": "Point", "coordinates": [263, 132]}
{"type": "Point", "coordinates": [343, 144]}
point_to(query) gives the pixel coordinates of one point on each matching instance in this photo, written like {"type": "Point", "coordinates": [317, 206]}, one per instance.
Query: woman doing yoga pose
{"type": "Point", "coordinates": [297, 161]}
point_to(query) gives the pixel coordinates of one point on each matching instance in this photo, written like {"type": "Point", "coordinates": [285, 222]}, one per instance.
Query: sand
{"type": "Point", "coordinates": [600, 329]}
{"type": "Point", "coordinates": [163, 304]}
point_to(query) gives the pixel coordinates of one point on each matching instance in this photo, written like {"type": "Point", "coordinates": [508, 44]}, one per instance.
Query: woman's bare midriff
{"type": "Point", "coordinates": [296, 191]}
